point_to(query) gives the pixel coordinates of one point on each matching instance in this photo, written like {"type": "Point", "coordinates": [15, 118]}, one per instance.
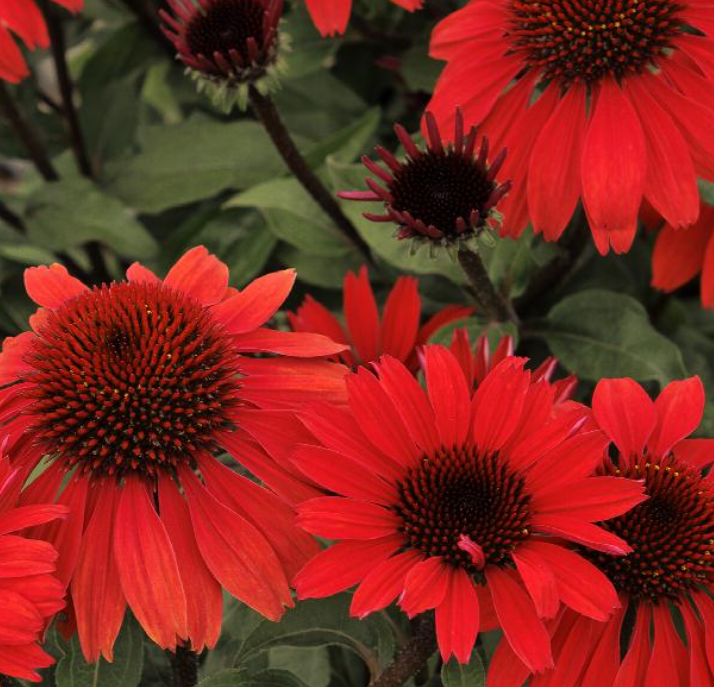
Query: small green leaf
{"type": "Point", "coordinates": [322, 623]}
{"type": "Point", "coordinates": [240, 678]}
{"type": "Point", "coordinates": [124, 671]}
{"type": "Point", "coordinates": [69, 213]}
{"type": "Point", "coordinates": [472, 674]}
{"type": "Point", "coordinates": [600, 333]}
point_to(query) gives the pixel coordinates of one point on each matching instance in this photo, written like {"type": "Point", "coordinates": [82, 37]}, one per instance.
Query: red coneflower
{"type": "Point", "coordinates": [670, 567]}
{"type": "Point", "coordinates": [129, 390]}
{"type": "Point", "coordinates": [24, 19]}
{"type": "Point", "coordinates": [478, 361]}
{"type": "Point", "coordinates": [30, 594]}
{"type": "Point", "coordinates": [608, 101]}
{"type": "Point", "coordinates": [446, 193]}
{"type": "Point", "coordinates": [331, 16]}
{"type": "Point", "coordinates": [397, 333]}
{"type": "Point", "coordinates": [460, 502]}
{"type": "Point", "coordinates": [227, 44]}
{"type": "Point", "coordinates": [680, 255]}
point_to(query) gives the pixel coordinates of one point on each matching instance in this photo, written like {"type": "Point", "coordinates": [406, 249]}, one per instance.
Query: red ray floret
{"type": "Point", "coordinates": [30, 593]}
{"type": "Point", "coordinates": [331, 16]}
{"type": "Point", "coordinates": [607, 103]}
{"type": "Point", "coordinates": [130, 390]}
{"type": "Point", "coordinates": [24, 19]}
{"type": "Point", "coordinates": [397, 332]}
{"type": "Point", "coordinates": [462, 502]}
{"type": "Point", "coordinates": [670, 565]}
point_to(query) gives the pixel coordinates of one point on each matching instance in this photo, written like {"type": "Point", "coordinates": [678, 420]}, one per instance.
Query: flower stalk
{"type": "Point", "coordinates": [184, 666]}
{"type": "Point", "coordinates": [493, 304]}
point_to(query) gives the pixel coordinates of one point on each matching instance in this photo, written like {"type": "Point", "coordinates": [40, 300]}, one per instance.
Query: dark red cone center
{"type": "Point", "coordinates": [672, 533]}
{"type": "Point", "coordinates": [130, 377]}
{"type": "Point", "coordinates": [591, 39]}
{"type": "Point", "coordinates": [459, 493]}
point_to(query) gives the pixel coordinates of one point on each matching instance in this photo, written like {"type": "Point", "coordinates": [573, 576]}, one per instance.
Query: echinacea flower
{"type": "Point", "coordinates": [670, 566]}
{"type": "Point", "coordinates": [228, 45]}
{"type": "Point", "coordinates": [610, 102]}
{"type": "Point", "coordinates": [477, 361]}
{"type": "Point", "coordinates": [397, 333]}
{"type": "Point", "coordinates": [681, 254]}
{"type": "Point", "coordinates": [460, 502]}
{"type": "Point", "coordinates": [444, 194]}
{"type": "Point", "coordinates": [30, 594]}
{"type": "Point", "coordinates": [128, 391]}
{"type": "Point", "coordinates": [24, 19]}
{"type": "Point", "coordinates": [331, 16]}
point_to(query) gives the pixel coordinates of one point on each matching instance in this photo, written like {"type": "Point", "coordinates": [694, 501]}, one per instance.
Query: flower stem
{"type": "Point", "coordinates": [412, 657]}
{"type": "Point", "coordinates": [27, 135]}
{"type": "Point", "coordinates": [184, 665]}
{"type": "Point", "coordinates": [269, 116]}
{"type": "Point", "coordinates": [495, 306]}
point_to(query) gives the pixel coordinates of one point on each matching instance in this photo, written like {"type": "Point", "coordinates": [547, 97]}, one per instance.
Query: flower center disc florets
{"type": "Point", "coordinates": [591, 39]}
{"type": "Point", "coordinates": [458, 492]}
{"type": "Point", "coordinates": [130, 377]}
{"type": "Point", "coordinates": [672, 533]}
{"type": "Point", "coordinates": [438, 188]}
{"type": "Point", "coordinates": [226, 26]}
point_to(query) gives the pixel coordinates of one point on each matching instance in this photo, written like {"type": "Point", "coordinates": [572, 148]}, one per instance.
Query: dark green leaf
{"type": "Point", "coordinates": [240, 678]}
{"type": "Point", "coordinates": [454, 674]}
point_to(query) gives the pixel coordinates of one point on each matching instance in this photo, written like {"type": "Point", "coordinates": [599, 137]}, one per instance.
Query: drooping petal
{"type": "Point", "coordinates": [580, 532]}
{"type": "Point", "coordinates": [458, 618]}
{"type": "Point", "coordinates": [334, 517]}
{"type": "Point", "coordinates": [425, 586]}
{"type": "Point", "coordinates": [678, 254]}
{"type": "Point", "coordinates": [668, 652]}
{"type": "Point", "coordinates": [634, 666]}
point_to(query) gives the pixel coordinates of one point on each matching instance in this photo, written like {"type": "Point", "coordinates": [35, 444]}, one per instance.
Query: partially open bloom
{"type": "Point", "coordinates": [477, 361]}
{"type": "Point", "coordinates": [445, 194]}
{"type": "Point", "coordinates": [397, 333]}
{"type": "Point", "coordinates": [670, 566]}
{"type": "Point", "coordinates": [128, 391]}
{"type": "Point", "coordinates": [227, 44]}
{"type": "Point", "coordinates": [30, 594]}
{"type": "Point", "coordinates": [610, 102]}
{"type": "Point", "coordinates": [24, 19]}
{"type": "Point", "coordinates": [681, 254]}
{"type": "Point", "coordinates": [460, 502]}
{"type": "Point", "coordinates": [331, 16]}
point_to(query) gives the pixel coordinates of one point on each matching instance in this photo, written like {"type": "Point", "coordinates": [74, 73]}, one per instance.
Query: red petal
{"type": "Point", "coordinates": [699, 453]}
{"type": "Point", "coordinates": [256, 303]}
{"type": "Point", "coordinates": [12, 63]}
{"type": "Point", "coordinates": [400, 320]}
{"type": "Point", "coordinates": [147, 567]}
{"type": "Point", "coordinates": [626, 413]}
{"type": "Point", "coordinates": [51, 286]}
{"type": "Point", "coordinates": [700, 674]}
{"type": "Point", "coordinates": [235, 552]}
{"type": "Point", "coordinates": [96, 589]}
{"type": "Point", "coordinates": [200, 275]}
{"type": "Point", "coordinates": [449, 395]}
{"type": "Point", "coordinates": [605, 660]}
{"type": "Point", "coordinates": [204, 598]}
{"type": "Point", "coordinates": [634, 666]}
{"type": "Point", "coordinates": [298, 344]}
{"type": "Point", "coordinates": [614, 165]}
{"type": "Point", "coordinates": [458, 617]}
{"type": "Point", "coordinates": [668, 653]}
{"type": "Point", "coordinates": [678, 254]}
{"type": "Point", "coordinates": [343, 565]}
{"type": "Point", "coordinates": [329, 16]}
{"type": "Point", "coordinates": [138, 273]}
{"type": "Point", "coordinates": [554, 171]}
{"type": "Point", "coordinates": [425, 586]}
{"type": "Point", "coordinates": [516, 613]}
{"type": "Point", "coordinates": [20, 660]}
{"type": "Point", "coordinates": [28, 516]}
{"type": "Point", "coordinates": [671, 182]}
{"type": "Point", "coordinates": [680, 408]}
{"type": "Point", "coordinates": [580, 532]}
{"type": "Point", "coordinates": [334, 517]}
{"type": "Point", "coordinates": [361, 315]}
{"type": "Point", "coordinates": [12, 360]}
{"type": "Point", "coordinates": [539, 580]}
{"type": "Point", "coordinates": [383, 584]}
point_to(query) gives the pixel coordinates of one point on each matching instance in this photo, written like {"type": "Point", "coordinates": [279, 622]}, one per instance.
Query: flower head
{"type": "Point", "coordinates": [397, 333]}
{"type": "Point", "coordinates": [331, 16]}
{"type": "Point", "coordinates": [127, 391]}
{"type": "Point", "coordinates": [672, 540]}
{"type": "Point", "coordinates": [444, 194]}
{"type": "Point", "coordinates": [24, 19]}
{"type": "Point", "coordinates": [461, 502]}
{"type": "Point", "coordinates": [30, 594]}
{"type": "Point", "coordinates": [681, 254]}
{"type": "Point", "coordinates": [608, 102]}
{"type": "Point", "coordinates": [228, 45]}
